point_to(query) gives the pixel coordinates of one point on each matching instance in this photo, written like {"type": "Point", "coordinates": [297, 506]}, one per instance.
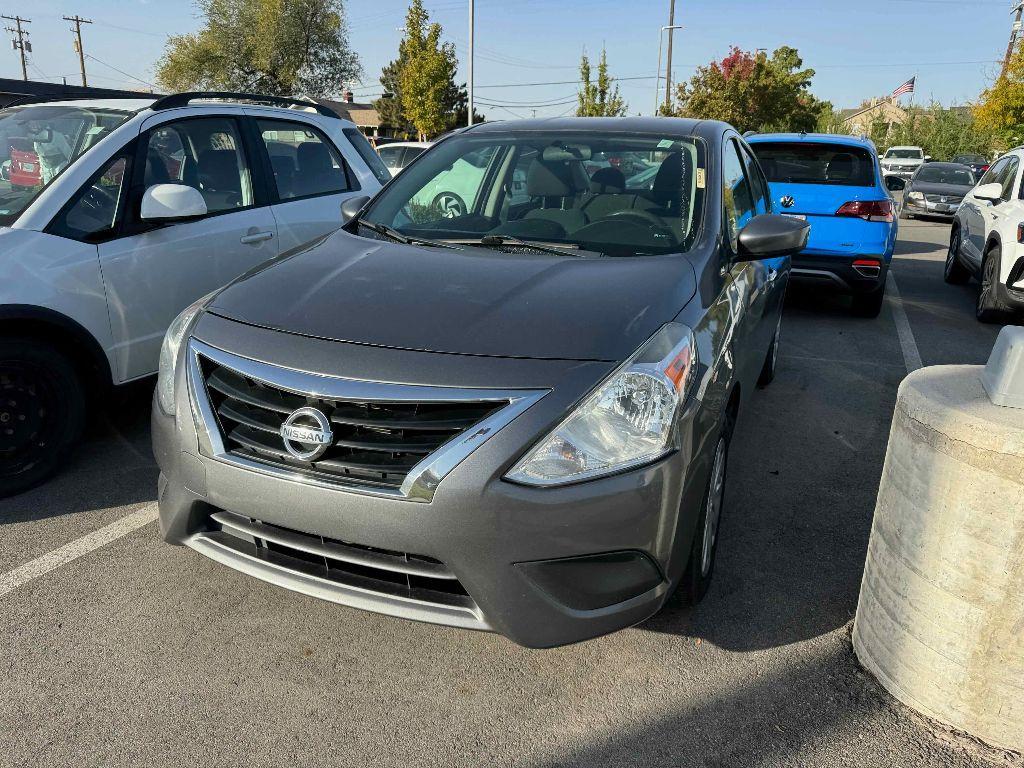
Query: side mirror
{"type": "Point", "coordinates": [172, 202]}
{"type": "Point", "coordinates": [350, 207]}
{"type": "Point", "coordinates": [927, 158]}
{"type": "Point", "coordinates": [895, 183]}
{"type": "Point", "coordinates": [771, 235]}
{"type": "Point", "coordinates": [992, 191]}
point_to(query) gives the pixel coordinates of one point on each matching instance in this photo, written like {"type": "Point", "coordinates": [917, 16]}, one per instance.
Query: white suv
{"type": "Point", "coordinates": [986, 240]}
{"type": "Point", "coordinates": [903, 161]}
{"type": "Point", "coordinates": [117, 214]}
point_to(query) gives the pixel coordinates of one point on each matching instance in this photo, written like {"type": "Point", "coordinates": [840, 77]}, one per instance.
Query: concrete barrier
{"type": "Point", "coordinates": [940, 621]}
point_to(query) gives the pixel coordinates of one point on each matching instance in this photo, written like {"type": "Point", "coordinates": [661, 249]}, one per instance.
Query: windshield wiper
{"type": "Point", "coordinates": [513, 240]}
{"type": "Point", "coordinates": [394, 234]}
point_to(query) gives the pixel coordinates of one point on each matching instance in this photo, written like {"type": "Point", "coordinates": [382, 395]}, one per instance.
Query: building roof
{"type": "Point", "coordinates": [12, 90]}
{"type": "Point", "coordinates": [363, 115]}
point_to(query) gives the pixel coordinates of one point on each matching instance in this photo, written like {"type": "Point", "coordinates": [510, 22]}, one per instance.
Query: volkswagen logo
{"type": "Point", "coordinates": [307, 434]}
{"type": "Point", "coordinates": [787, 201]}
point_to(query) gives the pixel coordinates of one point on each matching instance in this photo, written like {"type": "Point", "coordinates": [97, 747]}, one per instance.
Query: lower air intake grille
{"type": "Point", "coordinates": [399, 574]}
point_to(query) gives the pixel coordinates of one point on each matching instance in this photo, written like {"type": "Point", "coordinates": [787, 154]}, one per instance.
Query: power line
{"type": "Point", "coordinates": [121, 71]}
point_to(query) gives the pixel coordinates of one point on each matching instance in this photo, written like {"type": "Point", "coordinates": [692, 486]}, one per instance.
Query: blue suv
{"type": "Point", "coordinates": [834, 183]}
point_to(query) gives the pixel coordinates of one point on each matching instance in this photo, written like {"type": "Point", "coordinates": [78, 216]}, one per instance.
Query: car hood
{"type": "Point", "coordinates": [902, 161]}
{"type": "Point", "coordinates": [475, 301]}
{"type": "Point", "coordinates": [935, 188]}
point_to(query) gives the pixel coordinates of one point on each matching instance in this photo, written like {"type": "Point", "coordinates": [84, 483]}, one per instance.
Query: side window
{"type": "Point", "coordinates": [304, 161]}
{"type": "Point", "coordinates": [992, 174]}
{"type": "Point", "coordinates": [95, 210]}
{"type": "Point", "coordinates": [1008, 176]}
{"type": "Point", "coordinates": [204, 153]}
{"type": "Point", "coordinates": [758, 184]}
{"type": "Point", "coordinates": [737, 199]}
{"type": "Point", "coordinates": [369, 156]}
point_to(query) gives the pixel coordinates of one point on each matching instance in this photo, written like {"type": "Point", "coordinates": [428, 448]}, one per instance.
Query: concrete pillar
{"type": "Point", "coordinates": [940, 620]}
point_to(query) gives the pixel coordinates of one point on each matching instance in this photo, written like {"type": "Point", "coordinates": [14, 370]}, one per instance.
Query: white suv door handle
{"type": "Point", "coordinates": [256, 237]}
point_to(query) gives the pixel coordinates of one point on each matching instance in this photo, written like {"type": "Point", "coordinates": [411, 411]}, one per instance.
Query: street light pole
{"type": "Point", "coordinates": [469, 86]}
{"type": "Point", "coordinates": [668, 54]}
{"type": "Point", "coordinates": [657, 80]}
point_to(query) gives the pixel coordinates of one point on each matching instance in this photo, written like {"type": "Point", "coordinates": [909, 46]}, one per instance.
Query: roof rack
{"type": "Point", "coordinates": [183, 99]}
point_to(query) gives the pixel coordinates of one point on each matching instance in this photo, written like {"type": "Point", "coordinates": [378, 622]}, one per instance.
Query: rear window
{"type": "Point", "coordinates": [814, 163]}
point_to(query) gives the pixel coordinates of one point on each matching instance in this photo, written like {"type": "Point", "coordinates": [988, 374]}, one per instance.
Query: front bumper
{"type": "Point", "coordinates": [543, 566]}
{"type": "Point", "coordinates": [838, 273]}
{"type": "Point", "coordinates": [926, 208]}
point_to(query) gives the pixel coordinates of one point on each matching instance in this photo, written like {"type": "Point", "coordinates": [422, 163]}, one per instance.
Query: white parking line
{"type": "Point", "coordinates": [63, 555]}
{"type": "Point", "coordinates": [911, 354]}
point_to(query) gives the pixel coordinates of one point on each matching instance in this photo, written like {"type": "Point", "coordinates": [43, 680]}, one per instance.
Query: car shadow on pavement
{"type": "Point", "coordinates": [803, 476]}
{"type": "Point", "coordinates": [112, 467]}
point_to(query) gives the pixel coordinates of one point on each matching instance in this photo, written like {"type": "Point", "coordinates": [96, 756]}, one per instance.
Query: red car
{"type": "Point", "coordinates": [24, 170]}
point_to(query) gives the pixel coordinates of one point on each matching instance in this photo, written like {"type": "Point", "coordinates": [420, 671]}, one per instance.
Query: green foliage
{"type": "Point", "coordinates": [601, 98]}
{"type": "Point", "coordinates": [1000, 111]}
{"type": "Point", "coordinates": [277, 47]}
{"type": "Point", "coordinates": [753, 92]}
{"type": "Point", "coordinates": [427, 68]}
{"type": "Point", "coordinates": [831, 121]}
{"type": "Point", "coordinates": [426, 73]}
{"type": "Point", "coordinates": [941, 132]}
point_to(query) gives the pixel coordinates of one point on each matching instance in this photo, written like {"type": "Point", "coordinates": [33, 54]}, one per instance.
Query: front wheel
{"type": "Point", "coordinates": [955, 273]}
{"type": "Point", "coordinates": [42, 413]}
{"type": "Point", "coordinates": [991, 308]}
{"type": "Point", "coordinates": [449, 205]}
{"type": "Point", "coordinates": [697, 576]}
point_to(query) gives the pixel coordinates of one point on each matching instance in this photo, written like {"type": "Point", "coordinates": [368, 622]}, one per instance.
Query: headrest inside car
{"type": "Point", "coordinates": [563, 152]}
{"type": "Point", "coordinates": [556, 179]}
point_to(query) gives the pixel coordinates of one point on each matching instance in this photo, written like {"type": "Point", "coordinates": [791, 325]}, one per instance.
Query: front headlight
{"type": "Point", "coordinates": [627, 421]}
{"type": "Point", "coordinates": [169, 353]}
{"type": "Point", "coordinates": [915, 196]}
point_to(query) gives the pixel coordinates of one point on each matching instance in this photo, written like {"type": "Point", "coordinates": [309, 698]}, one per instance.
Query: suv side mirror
{"type": "Point", "coordinates": [927, 158]}
{"type": "Point", "coordinates": [172, 202]}
{"type": "Point", "coordinates": [350, 207]}
{"type": "Point", "coordinates": [771, 235]}
{"type": "Point", "coordinates": [895, 183]}
{"type": "Point", "coordinates": [992, 191]}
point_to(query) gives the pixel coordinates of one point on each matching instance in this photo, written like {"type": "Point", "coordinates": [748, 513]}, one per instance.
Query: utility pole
{"type": "Point", "coordinates": [668, 55]}
{"type": "Point", "coordinates": [78, 22]}
{"type": "Point", "coordinates": [21, 44]}
{"type": "Point", "coordinates": [469, 80]}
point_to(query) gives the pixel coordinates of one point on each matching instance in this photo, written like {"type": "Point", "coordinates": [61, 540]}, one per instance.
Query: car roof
{"type": "Point", "coordinates": [679, 126]}
{"type": "Point", "coordinates": [813, 138]}
{"type": "Point", "coordinates": [421, 144]}
{"type": "Point", "coordinates": [944, 164]}
{"type": "Point", "coordinates": [127, 105]}
{"type": "Point", "coordinates": [905, 146]}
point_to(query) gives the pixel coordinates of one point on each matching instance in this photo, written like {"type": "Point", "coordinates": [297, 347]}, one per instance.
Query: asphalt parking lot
{"type": "Point", "coordinates": [138, 653]}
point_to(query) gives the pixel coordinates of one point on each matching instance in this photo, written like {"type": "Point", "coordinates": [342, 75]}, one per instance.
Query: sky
{"type": "Point", "coordinates": [528, 51]}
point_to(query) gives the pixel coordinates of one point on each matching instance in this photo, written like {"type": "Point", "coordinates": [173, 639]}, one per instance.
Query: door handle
{"type": "Point", "coordinates": [256, 237]}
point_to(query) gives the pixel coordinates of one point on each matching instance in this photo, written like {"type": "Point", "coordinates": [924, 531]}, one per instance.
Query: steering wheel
{"type": "Point", "coordinates": [640, 215]}
{"type": "Point", "coordinates": [98, 200]}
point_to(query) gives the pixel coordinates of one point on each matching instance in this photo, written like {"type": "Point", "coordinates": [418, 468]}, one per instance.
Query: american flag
{"type": "Point", "coordinates": [907, 87]}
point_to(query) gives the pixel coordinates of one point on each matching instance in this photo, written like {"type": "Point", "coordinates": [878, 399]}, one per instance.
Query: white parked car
{"type": "Point", "coordinates": [903, 161]}
{"type": "Point", "coordinates": [399, 154]}
{"type": "Point", "coordinates": [122, 213]}
{"type": "Point", "coordinates": [986, 240]}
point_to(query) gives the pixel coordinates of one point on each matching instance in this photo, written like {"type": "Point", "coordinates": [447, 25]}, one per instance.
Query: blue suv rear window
{"type": "Point", "coordinates": [816, 163]}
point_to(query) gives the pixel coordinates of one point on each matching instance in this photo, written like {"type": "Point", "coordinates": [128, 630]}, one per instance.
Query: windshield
{"type": "Point", "coordinates": [38, 142]}
{"type": "Point", "coordinates": [979, 159]}
{"type": "Point", "coordinates": [816, 163]}
{"type": "Point", "coordinates": [905, 154]}
{"type": "Point", "coordinates": [946, 175]}
{"type": "Point", "coordinates": [614, 193]}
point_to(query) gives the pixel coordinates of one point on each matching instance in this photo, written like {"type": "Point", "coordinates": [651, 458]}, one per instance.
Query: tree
{"type": "Point", "coordinates": [753, 92]}
{"type": "Point", "coordinates": [941, 132]}
{"type": "Point", "coordinates": [1001, 107]}
{"type": "Point", "coordinates": [276, 47]}
{"type": "Point", "coordinates": [600, 99]}
{"type": "Point", "coordinates": [426, 73]}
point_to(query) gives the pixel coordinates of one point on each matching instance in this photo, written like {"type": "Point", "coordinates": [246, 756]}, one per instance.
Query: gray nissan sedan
{"type": "Point", "coordinates": [512, 413]}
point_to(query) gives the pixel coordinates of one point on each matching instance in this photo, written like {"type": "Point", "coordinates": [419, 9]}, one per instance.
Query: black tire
{"type": "Point", "coordinates": [701, 566]}
{"type": "Point", "coordinates": [869, 304]}
{"type": "Point", "coordinates": [991, 306]}
{"type": "Point", "coordinates": [955, 273]}
{"type": "Point", "coordinates": [449, 205]}
{"type": "Point", "coordinates": [767, 375]}
{"type": "Point", "coordinates": [42, 412]}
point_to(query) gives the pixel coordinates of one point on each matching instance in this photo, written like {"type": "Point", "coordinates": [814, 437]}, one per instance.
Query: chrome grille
{"type": "Point", "coordinates": [948, 199]}
{"type": "Point", "coordinates": [375, 443]}
{"type": "Point", "coordinates": [386, 439]}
